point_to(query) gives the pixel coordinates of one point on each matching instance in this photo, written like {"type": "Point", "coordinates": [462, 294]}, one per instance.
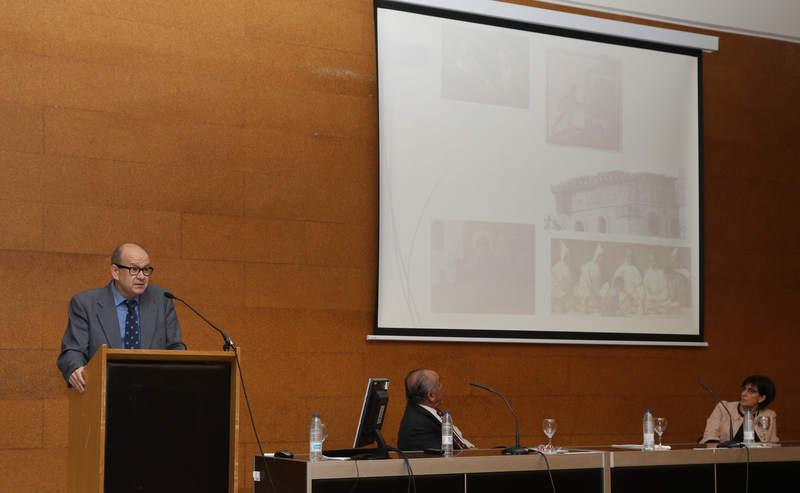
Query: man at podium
{"type": "Point", "coordinates": [127, 313]}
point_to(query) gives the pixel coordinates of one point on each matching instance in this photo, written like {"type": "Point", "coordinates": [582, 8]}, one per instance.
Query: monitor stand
{"type": "Point", "coordinates": [381, 452]}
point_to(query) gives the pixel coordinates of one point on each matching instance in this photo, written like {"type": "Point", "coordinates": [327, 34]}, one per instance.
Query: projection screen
{"type": "Point", "coordinates": [537, 184]}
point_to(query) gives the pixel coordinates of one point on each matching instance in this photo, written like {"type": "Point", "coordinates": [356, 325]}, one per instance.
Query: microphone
{"type": "Point", "coordinates": [228, 341]}
{"type": "Point", "coordinates": [730, 443]}
{"type": "Point", "coordinates": [517, 449]}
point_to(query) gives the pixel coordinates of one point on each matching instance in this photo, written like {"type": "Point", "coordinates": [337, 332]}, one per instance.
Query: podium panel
{"type": "Point", "coordinates": [473, 471]}
{"type": "Point", "coordinates": [155, 421]}
{"type": "Point", "coordinates": [702, 468]}
{"type": "Point", "coordinates": [686, 467]}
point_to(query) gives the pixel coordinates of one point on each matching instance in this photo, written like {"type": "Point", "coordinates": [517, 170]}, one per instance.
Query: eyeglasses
{"type": "Point", "coordinates": [750, 390]}
{"type": "Point", "coordinates": [135, 269]}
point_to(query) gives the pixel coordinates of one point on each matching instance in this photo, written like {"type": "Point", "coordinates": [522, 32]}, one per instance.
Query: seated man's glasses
{"type": "Point", "coordinates": [135, 269]}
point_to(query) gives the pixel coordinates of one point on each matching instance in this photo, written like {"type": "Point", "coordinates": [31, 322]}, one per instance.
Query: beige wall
{"type": "Point", "coordinates": [236, 140]}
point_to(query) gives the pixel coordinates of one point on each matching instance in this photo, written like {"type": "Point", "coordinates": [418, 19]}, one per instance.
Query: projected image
{"type": "Point", "coordinates": [482, 267]}
{"type": "Point", "coordinates": [495, 139]}
{"type": "Point", "coordinates": [619, 279]}
{"type": "Point", "coordinates": [619, 202]}
{"type": "Point", "coordinates": [485, 67]}
{"type": "Point", "coordinates": [584, 95]}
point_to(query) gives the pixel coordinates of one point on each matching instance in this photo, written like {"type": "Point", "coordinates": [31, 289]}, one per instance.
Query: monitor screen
{"type": "Point", "coordinates": [373, 411]}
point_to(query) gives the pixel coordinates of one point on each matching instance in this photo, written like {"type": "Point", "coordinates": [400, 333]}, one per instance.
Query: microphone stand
{"type": "Point", "coordinates": [730, 443]}
{"type": "Point", "coordinates": [517, 449]}
{"type": "Point", "coordinates": [228, 342]}
{"type": "Point", "coordinates": [229, 345]}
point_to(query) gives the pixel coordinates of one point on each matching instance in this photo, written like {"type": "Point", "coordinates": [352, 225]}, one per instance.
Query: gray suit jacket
{"type": "Point", "coordinates": [93, 322]}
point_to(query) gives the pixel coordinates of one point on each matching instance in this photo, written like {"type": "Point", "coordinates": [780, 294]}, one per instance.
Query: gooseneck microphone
{"type": "Point", "coordinates": [730, 443]}
{"type": "Point", "coordinates": [517, 449]}
{"type": "Point", "coordinates": [228, 341]}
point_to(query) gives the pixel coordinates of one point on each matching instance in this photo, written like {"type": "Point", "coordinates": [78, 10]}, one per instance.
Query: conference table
{"type": "Point", "coordinates": [579, 469]}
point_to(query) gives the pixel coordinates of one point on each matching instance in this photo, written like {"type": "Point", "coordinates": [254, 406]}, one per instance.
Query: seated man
{"type": "Point", "coordinates": [421, 426]}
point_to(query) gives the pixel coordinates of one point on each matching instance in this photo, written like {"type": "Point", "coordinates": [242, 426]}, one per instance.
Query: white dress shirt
{"type": "Point", "coordinates": [456, 431]}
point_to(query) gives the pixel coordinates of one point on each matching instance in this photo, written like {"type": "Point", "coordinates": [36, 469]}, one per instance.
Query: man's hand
{"type": "Point", "coordinates": [78, 380]}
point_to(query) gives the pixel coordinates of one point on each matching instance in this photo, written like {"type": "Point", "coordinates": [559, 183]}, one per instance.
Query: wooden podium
{"type": "Point", "coordinates": [155, 421]}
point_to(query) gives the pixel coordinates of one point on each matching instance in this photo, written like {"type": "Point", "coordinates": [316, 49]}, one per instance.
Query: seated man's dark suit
{"type": "Point", "coordinates": [93, 322]}
{"type": "Point", "coordinates": [419, 429]}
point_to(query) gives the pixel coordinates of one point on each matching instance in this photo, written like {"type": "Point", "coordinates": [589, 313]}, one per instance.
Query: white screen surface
{"type": "Point", "coordinates": [535, 185]}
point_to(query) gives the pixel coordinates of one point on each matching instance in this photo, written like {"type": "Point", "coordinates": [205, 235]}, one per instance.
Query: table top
{"type": "Point", "coordinates": [492, 460]}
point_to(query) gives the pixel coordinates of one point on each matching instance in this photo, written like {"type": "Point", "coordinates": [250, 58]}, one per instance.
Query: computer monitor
{"type": "Point", "coordinates": [373, 410]}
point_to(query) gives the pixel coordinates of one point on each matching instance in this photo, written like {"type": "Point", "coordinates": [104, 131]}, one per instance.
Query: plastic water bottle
{"type": "Point", "coordinates": [316, 437]}
{"type": "Point", "coordinates": [649, 442]}
{"type": "Point", "coordinates": [447, 434]}
{"type": "Point", "coordinates": [749, 434]}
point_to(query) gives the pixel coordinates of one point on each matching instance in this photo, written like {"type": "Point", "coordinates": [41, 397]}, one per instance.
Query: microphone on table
{"type": "Point", "coordinates": [228, 341]}
{"type": "Point", "coordinates": [517, 449]}
{"type": "Point", "coordinates": [730, 443]}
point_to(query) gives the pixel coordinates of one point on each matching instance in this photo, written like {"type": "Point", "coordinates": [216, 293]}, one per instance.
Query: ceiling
{"type": "Point", "coordinates": [776, 19]}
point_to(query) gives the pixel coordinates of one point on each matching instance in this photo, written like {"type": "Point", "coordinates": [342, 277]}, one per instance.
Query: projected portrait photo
{"type": "Point", "coordinates": [619, 203]}
{"type": "Point", "coordinates": [584, 100]}
{"type": "Point", "coordinates": [485, 67]}
{"type": "Point", "coordinates": [482, 267]}
{"type": "Point", "coordinates": [619, 279]}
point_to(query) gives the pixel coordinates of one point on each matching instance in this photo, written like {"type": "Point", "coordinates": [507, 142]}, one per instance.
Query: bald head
{"type": "Point", "coordinates": [117, 254]}
{"type": "Point", "coordinates": [423, 387]}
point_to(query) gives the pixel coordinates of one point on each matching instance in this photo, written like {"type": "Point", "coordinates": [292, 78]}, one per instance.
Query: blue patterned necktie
{"type": "Point", "coordinates": [132, 338]}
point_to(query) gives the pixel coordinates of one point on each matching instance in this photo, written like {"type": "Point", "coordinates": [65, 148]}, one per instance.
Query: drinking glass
{"type": "Point", "coordinates": [763, 424]}
{"type": "Point", "coordinates": [660, 428]}
{"type": "Point", "coordinates": [549, 426]}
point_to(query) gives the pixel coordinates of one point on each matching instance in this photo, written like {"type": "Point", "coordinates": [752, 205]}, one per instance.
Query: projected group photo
{"type": "Point", "coordinates": [619, 279]}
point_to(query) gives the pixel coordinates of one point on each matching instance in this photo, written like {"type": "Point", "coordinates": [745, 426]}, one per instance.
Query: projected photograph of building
{"type": "Point", "coordinates": [619, 202]}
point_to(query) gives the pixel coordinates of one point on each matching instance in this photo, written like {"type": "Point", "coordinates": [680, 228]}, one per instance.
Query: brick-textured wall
{"type": "Point", "coordinates": [236, 140]}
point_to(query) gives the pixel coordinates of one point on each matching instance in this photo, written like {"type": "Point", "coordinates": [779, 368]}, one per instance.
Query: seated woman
{"type": "Point", "coordinates": [757, 393]}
